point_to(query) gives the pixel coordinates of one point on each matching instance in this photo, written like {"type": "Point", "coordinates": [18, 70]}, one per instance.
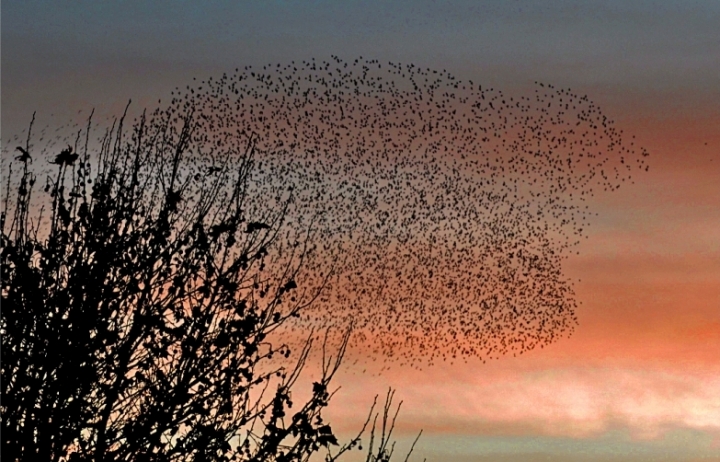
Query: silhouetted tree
{"type": "Point", "coordinates": [136, 313]}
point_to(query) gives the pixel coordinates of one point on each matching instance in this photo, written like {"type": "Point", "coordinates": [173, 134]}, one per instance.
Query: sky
{"type": "Point", "coordinates": [640, 377]}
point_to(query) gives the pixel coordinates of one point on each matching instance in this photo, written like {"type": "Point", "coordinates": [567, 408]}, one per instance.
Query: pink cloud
{"type": "Point", "coordinates": [577, 402]}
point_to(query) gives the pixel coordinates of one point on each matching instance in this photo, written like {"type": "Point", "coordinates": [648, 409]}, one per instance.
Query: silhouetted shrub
{"type": "Point", "coordinates": [135, 321]}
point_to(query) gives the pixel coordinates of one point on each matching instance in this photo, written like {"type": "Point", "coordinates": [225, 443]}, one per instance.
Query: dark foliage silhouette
{"type": "Point", "coordinates": [135, 323]}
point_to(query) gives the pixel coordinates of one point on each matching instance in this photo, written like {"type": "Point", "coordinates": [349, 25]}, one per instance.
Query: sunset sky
{"type": "Point", "coordinates": [640, 377]}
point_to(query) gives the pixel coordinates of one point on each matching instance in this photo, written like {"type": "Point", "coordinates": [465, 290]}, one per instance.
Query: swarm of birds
{"type": "Point", "coordinates": [442, 208]}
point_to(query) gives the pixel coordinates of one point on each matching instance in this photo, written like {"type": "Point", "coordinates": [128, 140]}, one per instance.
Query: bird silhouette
{"type": "Point", "coordinates": [24, 156]}
{"type": "Point", "coordinates": [66, 157]}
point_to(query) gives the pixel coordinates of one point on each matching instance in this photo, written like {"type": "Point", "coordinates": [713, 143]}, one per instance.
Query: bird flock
{"type": "Point", "coordinates": [444, 208]}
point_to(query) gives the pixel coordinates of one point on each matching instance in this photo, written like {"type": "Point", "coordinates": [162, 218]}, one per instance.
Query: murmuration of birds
{"type": "Point", "coordinates": [442, 208]}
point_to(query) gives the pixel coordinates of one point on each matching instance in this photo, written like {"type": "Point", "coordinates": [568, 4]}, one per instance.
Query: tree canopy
{"type": "Point", "coordinates": [135, 314]}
